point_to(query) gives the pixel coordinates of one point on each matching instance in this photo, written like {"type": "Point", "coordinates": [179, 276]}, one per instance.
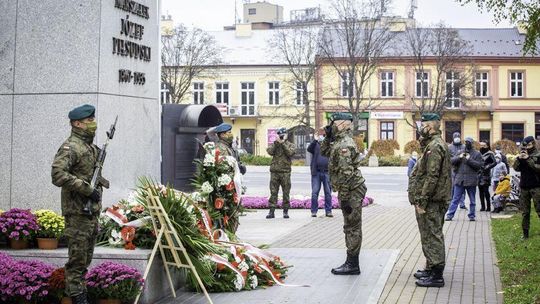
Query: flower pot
{"type": "Point", "coordinates": [47, 243]}
{"type": "Point", "coordinates": [66, 300]}
{"type": "Point", "coordinates": [109, 301]}
{"type": "Point", "coordinates": [18, 244]}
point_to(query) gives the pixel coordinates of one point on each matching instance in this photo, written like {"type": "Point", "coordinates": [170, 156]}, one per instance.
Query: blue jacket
{"type": "Point", "coordinates": [410, 165]}
{"type": "Point", "coordinates": [319, 163]}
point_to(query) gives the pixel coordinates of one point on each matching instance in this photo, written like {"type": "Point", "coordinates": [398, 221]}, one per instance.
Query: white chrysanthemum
{"type": "Point", "coordinates": [197, 197]}
{"type": "Point", "coordinates": [254, 282]}
{"type": "Point", "coordinates": [116, 238]}
{"type": "Point", "coordinates": [238, 282]}
{"type": "Point", "coordinates": [243, 266]}
{"type": "Point", "coordinates": [210, 145]}
{"type": "Point", "coordinates": [132, 199]}
{"type": "Point", "coordinates": [209, 160]}
{"type": "Point", "coordinates": [207, 188]}
{"type": "Point", "coordinates": [224, 179]}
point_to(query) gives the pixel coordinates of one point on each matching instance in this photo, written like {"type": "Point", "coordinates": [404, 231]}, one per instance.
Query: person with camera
{"type": "Point", "coordinates": [72, 170]}
{"type": "Point", "coordinates": [466, 166]}
{"type": "Point", "coordinates": [346, 178]}
{"type": "Point", "coordinates": [528, 164]}
{"type": "Point", "coordinates": [281, 151]}
{"type": "Point", "coordinates": [319, 175]}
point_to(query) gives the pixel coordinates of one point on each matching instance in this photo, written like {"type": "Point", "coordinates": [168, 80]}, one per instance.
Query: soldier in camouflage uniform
{"type": "Point", "coordinates": [72, 170]}
{"type": "Point", "coordinates": [346, 178]}
{"type": "Point", "coordinates": [528, 164]}
{"type": "Point", "coordinates": [430, 186]}
{"type": "Point", "coordinates": [224, 144]}
{"type": "Point", "coordinates": [280, 172]}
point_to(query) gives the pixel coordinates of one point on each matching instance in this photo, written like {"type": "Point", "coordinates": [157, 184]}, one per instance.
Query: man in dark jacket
{"type": "Point", "coordinates": [528, 163]}
{"type": "Point", "coordinates": [319, 175]}
{"type": "Point", "coordinates": [484, 176]}
{"type": "Point", "coordinates": [467, 164]}
{"type": "Point", "coordinates": [455, 148]}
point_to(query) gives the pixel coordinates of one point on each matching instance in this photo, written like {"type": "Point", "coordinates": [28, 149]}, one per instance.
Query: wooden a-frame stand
{"type": "Point", "coordinates": [167, 241]}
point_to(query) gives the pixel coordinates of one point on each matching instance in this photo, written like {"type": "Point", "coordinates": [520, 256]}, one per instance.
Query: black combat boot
{"type": "Point", "coordinates": [286, 213]}
{"type": "Point", "coordinates": [349, 267]}
{"type": "Point", "coordinates": [525, 234]}
{"type": "Point", "coordinates": [434, 280]}
{"type": "Point", "coordinates": [271, 214]}
{"type": "Point", "coordinates": [422, 273]}
{"type": "Point", "coordinates": [80, 299]}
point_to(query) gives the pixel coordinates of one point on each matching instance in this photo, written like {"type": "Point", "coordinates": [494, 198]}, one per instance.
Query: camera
{"type": "Point", "coordinates": [281, 136]}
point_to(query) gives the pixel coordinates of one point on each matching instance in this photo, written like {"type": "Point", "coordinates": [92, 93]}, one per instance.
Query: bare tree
{"type": "Point", "coordinates": [450, 87]}
{"type": "Point", "coordinates": [355, 44]}
{"type": "Point", "coordinates": [297, 47]}
{"type": "Point", "coordinates": [185, 55]}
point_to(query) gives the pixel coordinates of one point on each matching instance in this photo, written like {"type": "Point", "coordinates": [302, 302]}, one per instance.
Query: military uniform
{"type": "Point", "coordinates": [346, 178]}
{"type": "Point", "coordinates": [280, 174]}
{"type": "Point", "coordinates": [72, 170]}
{"type": "Point", "coordinates": [529, 184]}
{"type": "Point", "coordinates": [430, 187]}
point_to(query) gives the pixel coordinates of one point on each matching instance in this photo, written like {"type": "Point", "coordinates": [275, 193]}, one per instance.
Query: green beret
{"type": "Point", "coordinates": [430, 117]}
{"type": "Point", "coordinates": [82, 112]}
{"type": "Point", "coordinates": [342, 116]}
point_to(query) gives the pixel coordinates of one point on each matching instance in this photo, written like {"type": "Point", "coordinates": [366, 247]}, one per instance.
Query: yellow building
{"type": "Point", "coordinates": [503, 99]}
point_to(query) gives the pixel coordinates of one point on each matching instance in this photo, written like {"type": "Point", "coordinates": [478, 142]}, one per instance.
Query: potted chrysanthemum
{"type": "Point", "coordinates": [113, 283]}
{"type": "Point", "coordinates": [51, 228]}
{"type": "Point", "coordinates": [19, 226]}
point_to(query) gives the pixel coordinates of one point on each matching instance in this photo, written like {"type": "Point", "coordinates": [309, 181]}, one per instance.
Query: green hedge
{"type": "Point", "coordinates": [255, 160]}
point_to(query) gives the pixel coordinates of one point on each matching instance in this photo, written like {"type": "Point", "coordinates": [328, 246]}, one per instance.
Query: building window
{"type": "Point", "coordinates": [222, 93]}
{"type": "Point", "coordinates": [273, 93]}
{"type": "Point", "coordinates": [481, 84]}
{"type": "Point", "coordinates": [247, 94]}
{"type": "Point", "coordinates": [198, 92]}
{"type": "Point", "coordinates": [387, 84]}
{"type": "Point", "coordinates": [387, 130]}
{"type": "Point", "coordinates": [346, 89]}
{"type": "Point", "coordinates": [300, 86]}
{"type": "Point", "coordinates": [516, 84]}
{"type": "Point", "coordinates": [537, 125]}
{"type": "Point", "coordinates": [422, 84]}
{"type": "Point", "coordinates": [513, 131]}
{"type": "Point", "coordinates": [452, 90]}
{"type": "Point", "coordinates": [252, 11]}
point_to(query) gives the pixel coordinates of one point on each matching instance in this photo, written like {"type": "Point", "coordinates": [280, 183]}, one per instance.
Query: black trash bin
{"type": "Point", "coordinates": [182, 128]}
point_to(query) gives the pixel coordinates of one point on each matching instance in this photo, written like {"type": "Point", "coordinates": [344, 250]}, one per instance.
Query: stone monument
{"type": "Point", "coordinates": [58, 54]}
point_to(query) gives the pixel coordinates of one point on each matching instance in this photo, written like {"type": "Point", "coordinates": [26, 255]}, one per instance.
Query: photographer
{"type": "Point", "coordinates": [281, 151]}
{"type": "Point", "coordinates": [467, 164]}
{"type": "Point", "coordinates": [528, 163]}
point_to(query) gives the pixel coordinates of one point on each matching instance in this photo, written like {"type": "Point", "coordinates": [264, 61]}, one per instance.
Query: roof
{"type": "Point", "coordinates": [255, 50]}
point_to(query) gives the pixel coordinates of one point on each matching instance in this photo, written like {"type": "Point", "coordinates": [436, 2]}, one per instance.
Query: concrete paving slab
{"type": "Point", "coordinates": [312, 266]}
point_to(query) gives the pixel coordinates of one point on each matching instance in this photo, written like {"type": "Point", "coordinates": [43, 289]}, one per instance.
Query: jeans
{"type": "Point", "coordinates": [461, 200]}
{"type": "Point", "coordinates": [459, 191]}
{"type": "Point", "coordinates": [316, 181]}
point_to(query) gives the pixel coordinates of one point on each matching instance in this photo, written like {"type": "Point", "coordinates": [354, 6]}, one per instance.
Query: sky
{"type": "Point", "coordinates": [214, 14]}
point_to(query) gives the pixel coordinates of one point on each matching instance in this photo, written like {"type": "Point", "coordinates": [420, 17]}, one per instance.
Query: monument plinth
{"type": "Point", "coordinates": [58, 54]}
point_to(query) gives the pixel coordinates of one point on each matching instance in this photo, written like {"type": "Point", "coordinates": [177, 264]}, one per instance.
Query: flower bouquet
{"type": "Point", "coordinates": [218, 185]}
{"type": "Point", "coordinates": [23, 280]}
{"type": "Point", "coordinates": [51, 228]}
{"type": "Point", "coordinates": [19, 226]}
{"type": "Point", "coordinates": [114, 281]}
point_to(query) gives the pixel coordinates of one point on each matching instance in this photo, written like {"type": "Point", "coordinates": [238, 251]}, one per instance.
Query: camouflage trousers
{"type": "Point", "coordinates": [525, 204]}
{"type": "Point", "coordinates": [81, 232]}
{"type": "Point", "coordinates": [430, 225]}
{"type": "Point", "coordinates": [351, 207]}
{"type": "Point", "coordinates": [283, 180]}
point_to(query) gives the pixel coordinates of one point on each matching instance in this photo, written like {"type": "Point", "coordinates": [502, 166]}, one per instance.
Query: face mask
{"type": "Point", "coordinates": [497, 160]}
{"type": "Point", "coordinates": [483, 150]}
{"type": "Point", "coordinates": [228, 139]}
{"type": "Point", "coordinates": [321, 137]}
{"type": "Point", "coordinates": [413, 156]}
{"type": "Point", "coordinates": [531, 150]}
{"type": "Point", "coordinates": [457, 141]}
{"type": "Point", "coordinates": [425, 131]}
{"type": "Point", "coordinates": [91, 128]}
{"type": "Point", "coordinates": [468, 145]}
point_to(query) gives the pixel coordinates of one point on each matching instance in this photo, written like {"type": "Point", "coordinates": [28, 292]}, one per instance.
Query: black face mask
{"type": "Point", "coordinates": [468, 145]}
{"type": "Point", "coordinates": [483, 150]}
{"type": "Point", "coordinates": [531, 150]}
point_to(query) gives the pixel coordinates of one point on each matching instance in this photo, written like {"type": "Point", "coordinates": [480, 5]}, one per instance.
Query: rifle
{"type": "Point", "coordinates": [99, 165]}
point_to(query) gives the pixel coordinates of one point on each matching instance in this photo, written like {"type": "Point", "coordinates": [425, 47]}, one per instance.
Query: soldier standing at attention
{"type": "Point", "coordinates": [72, 170]}
{"type": "Point", "coordinates": [346, 179]}
{"type": "Point", "coordinates": [430, 186]}
{"type": "Point", "coordinates": [528, 164]}
{"type": "Point", "coordinates": [281, 151]}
